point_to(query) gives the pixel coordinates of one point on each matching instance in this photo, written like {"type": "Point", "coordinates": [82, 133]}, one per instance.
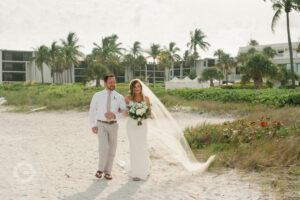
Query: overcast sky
{"type": "Point", "coordinates": [228, 24]}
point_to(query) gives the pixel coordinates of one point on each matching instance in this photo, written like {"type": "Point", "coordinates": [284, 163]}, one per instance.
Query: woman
{"type": "Point", "coordinates": [137, 134]}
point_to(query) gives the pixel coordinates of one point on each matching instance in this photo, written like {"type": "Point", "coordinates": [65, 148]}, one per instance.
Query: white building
{"type": "Point", "coordinates": [15, 66]}
{"type": "Point", "coordinates": [161, 75]}
{"type": "Point", "coordinates": [283, 55]}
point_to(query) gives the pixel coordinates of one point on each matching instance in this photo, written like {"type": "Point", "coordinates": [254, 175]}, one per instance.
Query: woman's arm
{"type": "Point", "coordinates": [149, 105]}
{"type": "Point", "coordinates": [123, 112]}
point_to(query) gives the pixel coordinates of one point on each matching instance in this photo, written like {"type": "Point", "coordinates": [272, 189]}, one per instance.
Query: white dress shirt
{"type": "Point", "coordinates": [98, 106]}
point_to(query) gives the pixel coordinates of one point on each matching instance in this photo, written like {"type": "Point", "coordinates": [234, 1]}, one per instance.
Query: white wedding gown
{"type": "Point", "coordinates": [139, 156]}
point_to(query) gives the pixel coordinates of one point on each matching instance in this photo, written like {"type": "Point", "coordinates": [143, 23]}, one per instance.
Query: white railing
{"type": "Point", "coordinates": [234, 77]}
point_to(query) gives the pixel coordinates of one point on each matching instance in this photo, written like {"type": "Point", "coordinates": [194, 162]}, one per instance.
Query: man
{"type": "Point", "coordinates": [104, 109]}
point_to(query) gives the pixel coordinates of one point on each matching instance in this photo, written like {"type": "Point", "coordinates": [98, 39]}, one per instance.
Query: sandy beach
{"type": "Point", "coordinates": [53, 155]}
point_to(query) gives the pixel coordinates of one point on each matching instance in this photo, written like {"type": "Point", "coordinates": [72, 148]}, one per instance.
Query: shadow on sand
{"type": "Point", "coordinates": [126, 192]}
{"type": "Point", "coordinates": [91, 193]}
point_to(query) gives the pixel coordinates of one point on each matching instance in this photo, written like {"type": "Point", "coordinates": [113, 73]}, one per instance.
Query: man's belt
{"type": "Point", "coordinates": [107, 122]}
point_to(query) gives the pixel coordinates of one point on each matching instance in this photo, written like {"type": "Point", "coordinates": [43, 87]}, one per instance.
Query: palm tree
{"type": "Point", "coordinates": [128, 62]}
{"type": "Point", "coordinates": [136, 50]}
{"type": "Point", "coordinates": [140, 61]}
{"type": "Point", "coordinates": [288, 6]}
{"type": "Point", "coordinates": [41, 56]}
{"type": "Point", "coordinates": [284, 75]}
{"type": "Point", "coordinates": [253, 43]}
{"type": "Point", "coordinates": [71, 52]}
{"type": "Point", "coordinates": [227, 62]}
{"type": "Point", "coordinates": [108, 52]}
{"type": "Point", "coordinates": [211, 73]}
{"type": "Point", "coordinates": [138, 58]}
{"type": "Point", "coordinates": [96, 71]}
{"type": "Point", "coordinates": [188, 58]}
{"type": "Point", "coordinates": [257, 67]}
{"type": "Point", "coordinates": [242, 58]}
{"type": "Point", "coordinates": [154, 52]}
{"type": "Point", "coordinates": [269, 52]}
{"type": "Point", "coordinates": [197, 40]}
{"type": "Point", "coordinates": [56, 60]}
{"type": "Point", "coordinates": [219, 53]}
{"type": "Point", "coordinates": [172, 55]}
{"type": "Point", "coordinates": [164, 62]}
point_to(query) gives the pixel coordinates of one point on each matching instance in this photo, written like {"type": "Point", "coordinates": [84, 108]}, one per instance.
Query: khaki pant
{"type": "Point", "coordinates": [107, 137]}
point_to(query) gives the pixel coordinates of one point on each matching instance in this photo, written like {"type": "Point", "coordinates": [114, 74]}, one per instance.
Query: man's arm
{"type": "Point", "coordinates": [93, 112]}
{"type": "Point", "coordinates": [122, 106]}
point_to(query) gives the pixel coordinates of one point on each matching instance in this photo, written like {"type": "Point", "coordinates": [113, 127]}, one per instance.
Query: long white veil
{"type": "Point", "coordinates": [166, 137]}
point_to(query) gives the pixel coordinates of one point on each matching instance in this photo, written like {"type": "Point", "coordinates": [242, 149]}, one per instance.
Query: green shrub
{"type": "Point", "coordinates": [273, 97]}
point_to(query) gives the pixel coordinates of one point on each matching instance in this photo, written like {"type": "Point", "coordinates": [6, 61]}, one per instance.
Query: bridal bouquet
{"type": "Point", "coordinates": [138, 111]}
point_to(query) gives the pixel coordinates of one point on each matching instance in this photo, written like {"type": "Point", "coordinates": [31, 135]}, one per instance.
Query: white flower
{"type": "Point", "coordinates": [138, 112]}
{"type": "Point", "coordinates": [143, 110]}
{"type": "Point", "coordinates": [131, 110]}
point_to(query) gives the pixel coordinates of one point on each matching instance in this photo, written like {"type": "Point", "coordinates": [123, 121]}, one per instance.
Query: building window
{"type": "Point", "coordinates": [79, 79]}
{"type": "Point", "coordinates": [7, 66]}
{"type": "Point", "coordinates": [10, 76]}
{"type": "Point", "coordinates": [211, 63]}
{"type": "Point", "coordinates": [79, 71]}
{"type": "Point", "coordinates": [296, 67]}
{"type": "Point", "coordinates": [280, 53]}
{"type": "Point", "coordinates": [16, 56]}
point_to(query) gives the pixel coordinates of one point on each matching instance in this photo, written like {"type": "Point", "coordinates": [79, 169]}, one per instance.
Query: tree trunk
{"type": "Point", "coordinates": [67, 75]}
{"type": "Point", "coordinates": [181, 70]}
{"type": "Point", "coordinates": [133, 73]}
{"type": "Point", "coordinates": [258, 82]}
{"type": "Point", "coordinates": [146, 75]}
{"type": "Point", "coordinates": [34, 73]}
{"type": "Point", "coordinates": [42, 74]}
{"type": "Point", "coordinates": [172, 70]}
{"type": "Point", "coordinates": [166, 74]}
{"type": "Point", "coordinates": [226, 75]}
{"type": "Point", "coordinates": [97, 82]}
{"type": "Point", "coordinates": [211, 83]}
{"type": "Point", "coordinates": [71, 74]}
{"type": "Point", "coordinates": [290, 50]}
{"type": "Point", "coordinates": [154, 75]}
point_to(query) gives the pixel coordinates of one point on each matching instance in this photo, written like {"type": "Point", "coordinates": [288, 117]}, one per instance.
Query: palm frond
{"type": "Point", "coordinates": [275, 19]}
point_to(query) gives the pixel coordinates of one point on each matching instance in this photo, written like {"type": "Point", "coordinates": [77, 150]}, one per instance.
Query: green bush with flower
{"type": "Point", "coordinates": [239, 131]}
{"type": "Point", "coordinates": [249, 145]}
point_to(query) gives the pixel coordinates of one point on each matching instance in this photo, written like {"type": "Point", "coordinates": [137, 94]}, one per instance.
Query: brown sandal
{"type": "Point", "coordinates": [108, 176]}
{"type": "Point", "coordinates": [99, 174]}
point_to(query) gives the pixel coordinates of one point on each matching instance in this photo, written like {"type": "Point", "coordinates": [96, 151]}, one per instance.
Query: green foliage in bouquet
{"type": "Point", "coordinates": [139, 111]}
